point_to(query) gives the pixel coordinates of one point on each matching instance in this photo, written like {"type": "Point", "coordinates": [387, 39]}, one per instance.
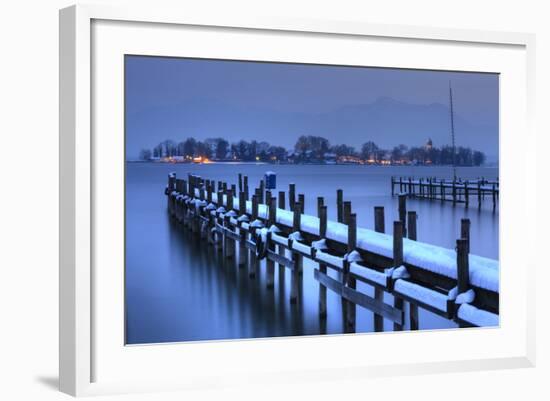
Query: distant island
{"type": "Point", "coordinates": [308, 149]}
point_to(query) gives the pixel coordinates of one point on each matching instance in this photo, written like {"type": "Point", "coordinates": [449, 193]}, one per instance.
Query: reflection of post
{"type": "Point", "coordinates": [322, 213]}
{"type": "Point", "coordinates": [397, 261]}
{"type": "Point", "coordinates": [411, 224]}
{"type": "Point", "coordinates": [296, 257]}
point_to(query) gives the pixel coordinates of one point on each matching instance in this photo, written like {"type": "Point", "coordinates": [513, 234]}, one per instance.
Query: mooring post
{"type": "Point", "coordinates": [465, 231]}
{"type": "Point", "coordinates": [252, 259]}
{"type": "Point", "coordinates": [411, 225]}
{"type": "Point", "coordinates": [442, 189]}
{"type": "Point", "coordinates": [351, 281]}
{"type": "Point", "coordinates": [240, 182]}
{"type": "Point", "coordinates": [479, 194]}
{"type": "Point", "coordinates": [261, 191]}
{"type": "Point", "coordinates": [463, 268]}
{"type": "Point", "coordinates": [347, 212]}
{"type": "Point", "coordinates": [280, 248]}
{"type": "Point", "coordinates": [322, 213]}
{"type": "Point", "coordinates": [340, 205]}
{"type": "Point", "coordinates": [466, 194]}
{"type": "Point", "coordinates": [270, 264]}
{"type": "Point", "coordinates": [392, 184]}
{"type": "Point", "coordinates": [229, 242]}
{"type": "Point", "coordinates": [454, 191]}
{"type": "Point", "coordinates": [242, 232]}
{"type": "Point", "coordinates": [379, 226]}
{"type": "Point", "coordinates": [296, 256]}
{"type": "Point", "coordinates": [245, 187]}
{"type": "Point", "coordinates": [400, 184]}
{"type": "Point", "coordinates": [291, 196]}
{"type": "Point", "coordinates": [403, 211]}
{"type": "Point", "coordinates": [171, 187]}
{"type": "Point", "coordinates": [302, 200]}
{"type": "Point", "coordinates": [397, 262]}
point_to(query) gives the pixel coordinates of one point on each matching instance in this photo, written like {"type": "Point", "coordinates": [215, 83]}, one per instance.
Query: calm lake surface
{"type": "Point", "coordinates": [178, 289]}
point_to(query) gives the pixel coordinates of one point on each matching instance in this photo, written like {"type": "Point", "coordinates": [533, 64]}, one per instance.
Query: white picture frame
{"type": "Point", "coordinates": [80, 312]}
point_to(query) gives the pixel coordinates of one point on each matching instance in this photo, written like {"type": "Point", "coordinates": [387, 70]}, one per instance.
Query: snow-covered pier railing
{"type": "Point", "coordinates": [455, 191]}
{"type": "Point", "coordinates": [259, 232]}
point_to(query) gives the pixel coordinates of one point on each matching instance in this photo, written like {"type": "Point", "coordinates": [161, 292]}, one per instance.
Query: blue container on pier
{"type": "Point", "coordinates": [270, 179]}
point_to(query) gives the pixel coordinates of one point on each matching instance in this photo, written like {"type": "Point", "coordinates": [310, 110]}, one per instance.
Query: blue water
{"type": "Point", "coordinates": [178, 289]}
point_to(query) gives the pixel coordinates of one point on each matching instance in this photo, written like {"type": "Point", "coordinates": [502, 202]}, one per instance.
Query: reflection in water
{"type": "Point", "coordinates": [180, 289]}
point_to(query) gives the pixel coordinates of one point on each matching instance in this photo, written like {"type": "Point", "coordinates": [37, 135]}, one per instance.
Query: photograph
{"type": "Point", "coordinates": [274, 199]}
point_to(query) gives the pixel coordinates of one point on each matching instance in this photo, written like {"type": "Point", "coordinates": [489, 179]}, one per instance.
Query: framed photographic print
{"type": "Point", "coordinates": [244, 199]}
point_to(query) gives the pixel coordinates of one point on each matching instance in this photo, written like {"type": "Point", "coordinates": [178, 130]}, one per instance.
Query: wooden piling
{"type": "Point", "coordinates": [322, 213]}
{"type": "Point", "coordinates": [465, 231]}
{"type": "Point", "coordinates": [229, 243]}
{"type": "Point", "coordinates": [379, 226]}
{"type": "Point", "coordinates": [252, 259]}
{"type": "Point", "coordinates": [397, 262]}
{"type": "Point", "coordinates": [340, 205]}
{"type": "Point", "coordinates": [242, 232]}
{"type": "Point", "coordinates": [351, 281]}
{"type": "Point", "coordinates": [403, 211]}
{"type": "Point", "coordinates": [270, 264]}
{"type": "Point", "coordinates": [296, 257]}
{"type": "Point", "coordinates": [347, 212]}
{"type": "Point", "coordinates": [281, 249]}
{"type": "Point", "coordinates": [291, 196]}
{"type": "Point", "coordinates": [463, 267]}
{"type": "Point", "coordinates": [245, 187]}
{"type": "Point", "coordinates": [302, 200]}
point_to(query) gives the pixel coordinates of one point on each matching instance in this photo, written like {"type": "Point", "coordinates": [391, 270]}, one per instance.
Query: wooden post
{"type": "Point", "coordinates": [466, 194]}
{"type": "Point", "coordinates": [296, 257]}
{"type": "Point", "coordinates": [463, 268]}
{"type": "Point", "coordinates": [479, 194]}
{"type": "Point", "coordinates": [302, 200]}
{"type": "Point", "coordinates": [347, 212]}
{"type": "Point", "coordinates": [442, 189]}
{"type": "Point", "coordinates": [413, 316]}
{"type": "Point", "coordinates": [322, 213]}
{"type": "Point", "coordinates": [403, 211]}
{"type": "Point", "coordinates": [340, 205]}
{"type": "Point", "coordinates": [400, 184]}
{"type": "Point", "coordinates": [240, 182]}
{"type": "Point", "coordinates": [261, 192]}
{"type": "Point", "coordinates": [397, 261]}
{"type": "Point", "coordinates": [281, 248]}
{"type": "Point", "coordinates": [411, 224]}
{"type": "Point", "coordinates": [270, 265]}
{"type": "Point", "coordinates": [171, 187]}
{"type": "Point", "coordinates": [229, 243]}
{"type": "Point", "coordinates": [291, 196]}
{"type": "Point", "coordinates": [245, 186]}
{"type": "Point", "coordinates": [392, 184]}
{"type": "Point", "coordinates": [252, 260]}
{"type": "Point", "coordinates": [379, 226]}
{"type": "Point", "coordinates": [351, 281]}
{"type": "Point", "coordinates": [454, 192]}
{"type": "Point", "coordinates": [465, 231]}
{"type": "Point", "coordinates": [242, 232]}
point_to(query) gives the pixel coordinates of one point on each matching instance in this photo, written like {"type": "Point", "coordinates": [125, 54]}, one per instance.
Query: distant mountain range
{"type": "Point", "coordinates": [386, 121]}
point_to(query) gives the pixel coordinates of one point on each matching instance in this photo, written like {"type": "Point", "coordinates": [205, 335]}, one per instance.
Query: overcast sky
{"type": "Point", "coordinates": [173, 98]}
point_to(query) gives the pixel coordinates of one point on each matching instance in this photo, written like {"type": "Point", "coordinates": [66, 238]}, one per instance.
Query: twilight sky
{"type": "Point", "coordinates": [174, 98]}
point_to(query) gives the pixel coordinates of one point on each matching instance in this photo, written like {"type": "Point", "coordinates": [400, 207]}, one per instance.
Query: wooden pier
{"type": "Point", "coordinates": [455, 191]}
{"type": "Point", "coordinates": [450, 283]}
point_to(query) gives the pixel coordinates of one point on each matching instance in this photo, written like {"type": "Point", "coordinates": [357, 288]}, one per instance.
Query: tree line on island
{"type": "Point", "coordinates": [309, 149]}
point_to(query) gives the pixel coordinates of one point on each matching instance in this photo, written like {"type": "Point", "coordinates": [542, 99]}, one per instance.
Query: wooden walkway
{"type": "Point", "coordinates": [455, 191]}
{"type": "Point", "coordinates": [450, 283]}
